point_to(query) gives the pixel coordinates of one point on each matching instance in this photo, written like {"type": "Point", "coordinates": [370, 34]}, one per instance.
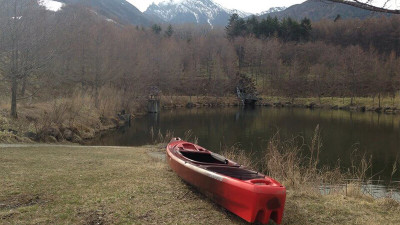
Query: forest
{"type": "Point", "coordinates": [46, 55]}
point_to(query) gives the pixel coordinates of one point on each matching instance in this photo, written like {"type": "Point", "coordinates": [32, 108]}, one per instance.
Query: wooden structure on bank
{"type": "Point", "coordinates": [153, 105]}
{"type": "Point", "coordinates": [246, 99]}
{"type": "Point", "coordinates": [153, 101]}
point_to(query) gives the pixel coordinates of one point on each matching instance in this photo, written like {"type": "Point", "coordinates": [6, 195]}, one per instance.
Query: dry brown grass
{"type": "Point", "coordinates": [296, 165]}
{"type": "Point", "coordinates": [98, 185]}
{"type": "Point", "coordinates": [182, 101]}
{"type": "Point", "coordinates": [286, 160]}
{"type": "Point", "coordinates": [115, 185]}
{"type": "Point", "coordinates": [77, 113]}
{"type": "Point", "coordinates": [159, 138]}
{"type": "Point", "coordinates": [236, 154]}
{"type": "Point", "coordinates": [309, 208]}
{"type": "Point", "coordinates": [303, 179]}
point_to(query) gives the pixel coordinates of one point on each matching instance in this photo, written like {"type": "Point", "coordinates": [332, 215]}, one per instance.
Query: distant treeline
{"type": "Point", "coordinates": [45, 54]}
{"type": "Point", "coordinates": [380, 34]}
{"type": "Point", "coordinates": [376, 34]}
{"type": "Point", "coordinates": [286, 30]}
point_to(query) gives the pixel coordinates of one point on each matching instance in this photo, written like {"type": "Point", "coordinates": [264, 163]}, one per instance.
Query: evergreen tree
{"type": "Point", "coordinates": [253, 26]}
{"type": "Point", "coordinates": [338, 17]}
{"type": "Point", "coordinates": [236, 27]}
{"type": "Point", "coordinates": [268, 27]}
{"type": "Point", "coordinates": [305, 29]}
{"type": "Point", "coordinates": [169, 31]}
{"type": "Point", "coordinates": [156, 29]}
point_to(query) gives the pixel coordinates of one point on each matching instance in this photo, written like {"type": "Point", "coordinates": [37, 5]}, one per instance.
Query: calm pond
{"type": "Point", "coordinates": [376, 135]}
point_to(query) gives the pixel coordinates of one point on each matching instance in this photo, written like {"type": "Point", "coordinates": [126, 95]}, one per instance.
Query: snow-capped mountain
{"type": "Point", "coordinates": [272, 10]}
{"type": "Point", "coordinates": [51, 5]}
{"type": "Point", "coordinates": [192, 11]}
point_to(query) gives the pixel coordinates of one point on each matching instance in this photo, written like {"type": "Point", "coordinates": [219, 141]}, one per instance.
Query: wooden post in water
{"type": "Point", "coordinates": [153, 106]}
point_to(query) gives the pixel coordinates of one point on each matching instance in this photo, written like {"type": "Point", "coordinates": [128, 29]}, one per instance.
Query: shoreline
{"type": "Point", "coordinates": [327, 103]}
{"type": "Point", "coordinates": [25, 129]}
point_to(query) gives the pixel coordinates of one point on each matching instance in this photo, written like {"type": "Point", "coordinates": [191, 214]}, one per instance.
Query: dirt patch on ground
{"type": "Point", "coordinates": [18, 201]}
{"type": "Point", "coordinates": [8, 215]}
{"type": "Point", "coordinates": [94, 217]}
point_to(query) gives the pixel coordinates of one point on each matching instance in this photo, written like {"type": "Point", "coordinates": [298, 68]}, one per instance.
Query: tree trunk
{"type": "Point", "coordinates": [393, 97]}
{"type": "Point", "coordinates": [379, 100]}
{"type": "Point", "coordinates": [23, 88]}
{"type": "Point", "coordinates": [14, 87]}
{"type": "Point", "coordinates": [96, 97]}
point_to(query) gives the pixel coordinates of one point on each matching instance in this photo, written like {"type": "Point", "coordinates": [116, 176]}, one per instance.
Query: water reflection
{"type": "Point", "coordinates": [342, 132]}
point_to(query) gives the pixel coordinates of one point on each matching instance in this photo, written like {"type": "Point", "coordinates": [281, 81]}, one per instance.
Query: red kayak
{"type": "Point", "coordinates": [246, 193]}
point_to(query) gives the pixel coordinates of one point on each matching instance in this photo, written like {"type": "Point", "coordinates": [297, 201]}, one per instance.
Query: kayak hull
{"type": "Point", "coordinates": [257, 199]}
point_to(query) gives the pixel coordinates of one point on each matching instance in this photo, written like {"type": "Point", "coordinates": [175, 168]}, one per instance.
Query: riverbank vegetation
{"type": "Point", "coordinates": [116, 185]}
{"type": "Point", "coordinates": [71, 119]}
{"type": "Point", "coordinates": [296, 163]}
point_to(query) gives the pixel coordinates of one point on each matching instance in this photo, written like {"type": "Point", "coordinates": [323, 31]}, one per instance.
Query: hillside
{"type": "Point", "coordinates": [118, 10]}
{"type": "Point", "coordinates": [317, 10]}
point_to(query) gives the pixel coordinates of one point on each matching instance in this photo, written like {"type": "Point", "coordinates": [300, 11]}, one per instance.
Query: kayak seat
{"type": "Point", "coordinates": [189, 147]}
{"type": "Point", "coordinates": [235, 172]}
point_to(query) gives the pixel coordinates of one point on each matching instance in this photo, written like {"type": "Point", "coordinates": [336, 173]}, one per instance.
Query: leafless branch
{"type": "Point", "coordinates": [29, 96]}
{"type": "Point", "coordinates": [368, 6]}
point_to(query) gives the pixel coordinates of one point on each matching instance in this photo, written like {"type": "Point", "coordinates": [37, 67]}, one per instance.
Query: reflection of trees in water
{"type": "Point", "coordinates": [376, 134]}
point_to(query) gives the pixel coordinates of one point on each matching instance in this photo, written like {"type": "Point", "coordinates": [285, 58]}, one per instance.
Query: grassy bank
{"type": "Point", "coordinates": [112, 185]}
{"type": "Point", "coordinates": [62, 120]}
{"type": "Point", "coordinates": [198, 101]}
{"type": "Point", "coordinates": [388, 105]}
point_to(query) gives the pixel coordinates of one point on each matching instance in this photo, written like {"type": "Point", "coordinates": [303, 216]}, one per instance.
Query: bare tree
{"type": "Point", "coordinates": [24, 32]}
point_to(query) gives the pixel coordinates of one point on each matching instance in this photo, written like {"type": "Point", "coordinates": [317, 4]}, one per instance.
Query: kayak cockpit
{"type": "Point", "coordinates": [203, 157]}
{"type": "Point", "coordinates": [236, 172]}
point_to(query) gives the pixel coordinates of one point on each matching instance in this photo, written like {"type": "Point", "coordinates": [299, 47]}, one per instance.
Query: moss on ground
{"type": "Point", "coordinates": [115, 185]}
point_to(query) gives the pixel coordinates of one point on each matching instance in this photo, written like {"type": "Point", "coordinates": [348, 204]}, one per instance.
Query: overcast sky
{"type": "Point", "coordinates": [251, 6]}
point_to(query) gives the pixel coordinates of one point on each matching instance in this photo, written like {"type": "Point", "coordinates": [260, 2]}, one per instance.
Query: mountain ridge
{"type": "Point", "coordinates": [192, 11]}
{"type": "Point", "coordinates": [317, 10]}
{"type": "Point", "coordinates": [120, 10]}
